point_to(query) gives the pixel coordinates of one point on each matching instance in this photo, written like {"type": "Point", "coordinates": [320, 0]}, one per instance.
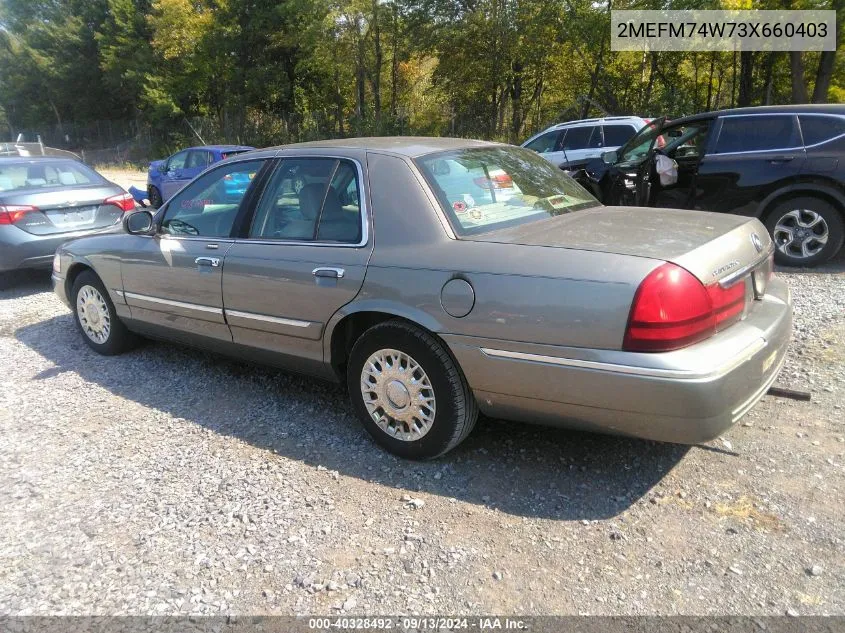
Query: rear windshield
{"type": "Point", "coordinates": [45, 175]}
{"type": "Point", "coordinates": [490, 188]}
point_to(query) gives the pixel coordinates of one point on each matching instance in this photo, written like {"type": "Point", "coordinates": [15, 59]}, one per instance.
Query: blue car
{"type": "Point", "coordinates": [166, 177]}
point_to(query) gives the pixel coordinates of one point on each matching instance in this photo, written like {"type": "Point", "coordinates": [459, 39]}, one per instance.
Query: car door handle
{"type": "Point", "coordinates": [214, 262]}
{"type": "Point", "coordinates": [781, 159]}
{"type": "Point", "coordinates": [326, 271]}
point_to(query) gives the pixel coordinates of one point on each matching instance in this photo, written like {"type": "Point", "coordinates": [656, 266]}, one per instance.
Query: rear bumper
{"type": "Point", "coordinates": [687, 396]}
{"type": "Point", "coordinates": [19, 249]}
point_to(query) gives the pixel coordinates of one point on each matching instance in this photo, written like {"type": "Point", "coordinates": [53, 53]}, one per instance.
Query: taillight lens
{"type": "Point", "coordinates": [11, 213]}
{"type": "Point", "coordinates": [125, 201]}
{"type": "Point", "coordinates": [673, 309]}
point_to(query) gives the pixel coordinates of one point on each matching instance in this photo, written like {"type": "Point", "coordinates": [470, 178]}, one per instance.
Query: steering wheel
{"type": "Point", "coordinates": [180, 226]}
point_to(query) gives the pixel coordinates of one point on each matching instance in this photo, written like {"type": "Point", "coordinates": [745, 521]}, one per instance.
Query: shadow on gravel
{"type": "Point", "coordinates": [520, 469]}
{"type": "Point", "coordinates": [834, 266]}
{"type": "Point", "coordinates": [14, 285]}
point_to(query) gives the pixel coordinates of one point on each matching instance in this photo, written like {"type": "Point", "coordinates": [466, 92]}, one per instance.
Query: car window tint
{"type": "Point", "coordinates": [177, 161]}
{"type": "Point", "coordinates": [491, 188]}
{"type": "Point", "coordinates": [757, 133]}
{"type": "Point", "coordinates": [617, 135]}
{"type": "Point", "coordinates": [684, 141]}
{"type": "Point", "coordinates": [208, 206]}
{"type": "Point", "coordinates": [293, 199]}
{"type": "Point", "coordinates": [544, 143]}
{"type": "Point", "coordinates": [578, 137]}
{"type": "Point", "coordinates": [818, 129]}
{"type": "Point", "coordinates": [340, 219]}
{"type": "Point", "coordinates": [197, 159]}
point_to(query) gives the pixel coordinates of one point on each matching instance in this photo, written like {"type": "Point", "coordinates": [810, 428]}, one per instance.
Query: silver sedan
{"type": "Point", "coordinates": [438, 278]}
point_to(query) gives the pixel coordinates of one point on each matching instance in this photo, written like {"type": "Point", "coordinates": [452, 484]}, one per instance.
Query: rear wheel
{"type": "Point", "coordinates": [95, 317]}
{"type": "Point", "coordinates": [155, 197]}
{"type": "Point", "coordinates": [408, 391]}
{"type": "Point", "coordinates": [806, 231]}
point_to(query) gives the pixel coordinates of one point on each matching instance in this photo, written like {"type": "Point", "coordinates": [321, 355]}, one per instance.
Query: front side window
{"type": "Point", "coordinates": [177, 161]}
{"type": "Point", "coordinates": [640, 144]}
{"type": "Point", "coordinates": [484, 189]}
{"type": "Point", "coordinates": [757, 133]}
{"type": "Point", "coordinates": [310, 199]}
{"type": "Point", "coordinates": [544, 143]}
{"type": "Point", "coordinates": [818, 129]}
{"type": "Point", "coordinates": [207, 207]}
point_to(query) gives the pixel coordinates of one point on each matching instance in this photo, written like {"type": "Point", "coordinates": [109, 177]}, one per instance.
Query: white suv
{"type": "Point", "coordinates": [572, 144]}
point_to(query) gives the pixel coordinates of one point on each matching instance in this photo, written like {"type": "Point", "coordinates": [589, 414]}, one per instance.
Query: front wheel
{"type": "Point", "coordinates": [155, 197]}
{"type": "Point", "coordinates": [806, 231]}
{"type": "Point", "coordinates": [408, 391]}
{"type": "Point", "coordinates": [95, 317]}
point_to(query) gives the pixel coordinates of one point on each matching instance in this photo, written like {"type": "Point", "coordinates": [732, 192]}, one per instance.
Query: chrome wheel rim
{"type": "Point", "coordinates": [398, 395]}
{"type": "Point", "coordinates": [801, 233]}
{"type": "Point", "coordinates": [93, 313]}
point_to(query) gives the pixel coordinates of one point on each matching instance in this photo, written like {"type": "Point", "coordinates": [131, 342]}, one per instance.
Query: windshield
{"type": "Point", "coordinates": [489, 188]}
{"type": "Point", "coordinates": [43, 174]}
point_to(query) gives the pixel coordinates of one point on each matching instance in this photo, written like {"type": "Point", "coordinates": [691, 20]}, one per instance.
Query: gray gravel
{"type": "Point", "coordinates": [171, 481]}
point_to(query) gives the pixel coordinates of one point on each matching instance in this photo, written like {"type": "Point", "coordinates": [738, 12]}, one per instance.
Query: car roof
{"type": "Point", "coordinates": [410, 146]}
{"type": "Point", "coordinates": [35, 159]}
{"type": "Point", "coordinates": [222, 148]}
{"type": "Point", "coordinates": [809, 108]}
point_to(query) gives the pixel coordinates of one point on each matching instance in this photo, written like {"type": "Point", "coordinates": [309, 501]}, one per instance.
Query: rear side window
{"type": "Point", "coordinates": [617, 135]}
{"type": "Point", "coordinates": [545, 142]}
{"type": "Point", "coordinates": [818, 129]}
{"type": "Point", "coordinates": [757, 133]}
{"type": "Point", "coordinates": [578, 138]}
{"type": "Point", "coordinates": [486, 189]}
{"type": "Point", "coordinates": [308, 199]}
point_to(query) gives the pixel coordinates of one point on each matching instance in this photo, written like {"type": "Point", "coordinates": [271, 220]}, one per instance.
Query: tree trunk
{"type": "Point", "coordinates": [378, 62]}
{"type": "Point", "coordinates": [823, 76]}
{"type": "Point", "coordinates": [394, 68]}
{"type": "Point", "coordinates": [650, 86]}
{"type": "Point", "coordinates": [516, 101]}
{"type": "Point", "coordinates": [710, 80]}
{"type": "Point", "coordinates": [360, 76]}
{"type": "Point", "coordinates": [746, 78]}
{"type": "Point", "coordinates": [769, 77]}
{"type": "Point", "coordinates": [733, 82]}
{"type": "Point", "coordinates": [796, 67]}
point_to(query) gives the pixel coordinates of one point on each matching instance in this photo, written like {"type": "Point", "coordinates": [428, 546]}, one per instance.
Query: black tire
{"type": "Point", "coordinates": [455, 409]}
{"type": "Point", "coordinates": [118, 339]}
{"type": "Point", "coordinates": [155, 197]}
{"type": "Point", "coordinates": [796, 211]}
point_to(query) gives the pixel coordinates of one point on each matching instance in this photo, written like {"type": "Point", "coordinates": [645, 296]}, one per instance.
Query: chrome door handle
{"type": "Point", "coordinates": [326, 271]}
{"type": "Point", "coordinates": [214, 262]}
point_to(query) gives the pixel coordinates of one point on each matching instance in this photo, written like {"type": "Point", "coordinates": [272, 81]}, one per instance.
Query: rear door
{"type": "Point", "coordinates": [303, 256]}
{"type": "Point", "coordinates": [174, 278]}
{"type": "Point", "coordinates": [197, 162]}
{"type": "Point", "coordinates": [748, 157]}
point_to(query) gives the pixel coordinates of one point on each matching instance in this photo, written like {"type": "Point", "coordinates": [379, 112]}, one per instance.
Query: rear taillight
{"type": "Point", "coordinates": [12, 213]}
{"type": "Point", "coordinates": [673, 309]}
{"type": "Point", "coordinates": [499, 181]}
{"type": "Point", "coordinates": [124, 201]}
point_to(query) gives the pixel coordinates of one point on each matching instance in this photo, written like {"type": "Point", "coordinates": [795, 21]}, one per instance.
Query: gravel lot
{"type": "Point", "coordinates": [171, 481]}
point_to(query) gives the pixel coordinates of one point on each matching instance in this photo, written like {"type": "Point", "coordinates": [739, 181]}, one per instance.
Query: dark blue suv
{"type": "Point", "coordinates": [166, 177]}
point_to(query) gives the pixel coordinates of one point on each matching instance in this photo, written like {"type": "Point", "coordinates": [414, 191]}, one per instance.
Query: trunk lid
{"type": "Point", "coordinates": [712, 246]}
{"type": "Point", "coordinates": [65, 210]}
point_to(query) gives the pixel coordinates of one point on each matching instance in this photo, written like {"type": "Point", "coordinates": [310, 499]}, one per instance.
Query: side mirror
{"type": "Point", "coordinates": [609, 158]}
{"type": "Point", "coordinates": [138, 223]}
{"type": "Point", "coordinates": [163, 167]}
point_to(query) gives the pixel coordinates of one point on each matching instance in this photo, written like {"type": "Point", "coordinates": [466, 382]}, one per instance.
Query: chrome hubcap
{"type": "Point", "coordinates": [800, 233]}
{"type": "Point", "coordinates": [398, 395]}
{"type": "Point", "coordinates": [93, 314]}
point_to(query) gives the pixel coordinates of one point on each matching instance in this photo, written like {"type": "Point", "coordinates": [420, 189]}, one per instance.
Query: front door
{"type": "Point", "coordinates": [304, 257]}
{"type": "Point", "coordinates": [174, 278]}
{"type": "Point", "coordinates": [749, 157]}
{"type": "Point", "coordinates": [173, 179]}
{"type": "Point", "coordinates": [628, 180]}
